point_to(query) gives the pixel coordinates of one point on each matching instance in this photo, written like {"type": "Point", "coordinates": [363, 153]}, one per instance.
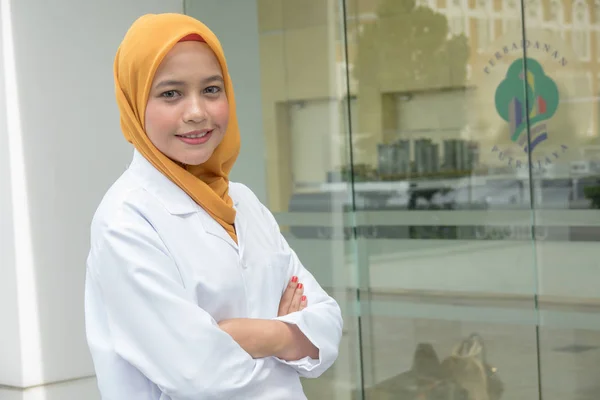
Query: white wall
{"type": "Point", "coordinates": [73, 150]}
{"type": "Point", "coordinates": [10, 361]}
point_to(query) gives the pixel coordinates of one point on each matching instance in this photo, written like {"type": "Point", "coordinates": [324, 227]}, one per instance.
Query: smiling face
{"type": "Point", "coordinates": [187, 110]}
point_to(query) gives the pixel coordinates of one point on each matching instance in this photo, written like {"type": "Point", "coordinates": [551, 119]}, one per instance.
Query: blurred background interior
{"type": "Point", "coordinates": [434, 163]}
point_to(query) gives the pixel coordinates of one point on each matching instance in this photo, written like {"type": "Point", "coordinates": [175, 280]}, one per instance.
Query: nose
{"type": "Point", "coordinates": [195, 110]}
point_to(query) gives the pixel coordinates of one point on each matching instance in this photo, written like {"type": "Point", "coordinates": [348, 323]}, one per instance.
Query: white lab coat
{"type": "Point", "coordinates": [161, 273]}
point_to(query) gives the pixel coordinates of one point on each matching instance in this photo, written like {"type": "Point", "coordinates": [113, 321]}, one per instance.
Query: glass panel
{"type": "Point", "coordinates": [306, 132]}
{"type": "Point", "coordinates": [563, 90]}
{"type": "Point", "coordinates": [442, 197]}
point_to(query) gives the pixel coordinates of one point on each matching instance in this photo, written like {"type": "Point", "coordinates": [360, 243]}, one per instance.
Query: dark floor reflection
{"type": "Point", "coordinates": [423, 359]}
{"type": "Point", "coordinates": [463, 375]}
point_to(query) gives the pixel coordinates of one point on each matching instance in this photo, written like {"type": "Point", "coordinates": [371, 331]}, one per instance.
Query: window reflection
{"type": "Point", "coordinates": [511, 17]}
{"type": "Point", "coordinates": [387, 115]}
{"type": "Point", "coordinates": [395, 134]}
{"type": "Point", "coordinates": [533, 12]}
{"type": "Point", "coordinates": [581, 32]}
{"type": "Point", "coordinates": [556, 12]}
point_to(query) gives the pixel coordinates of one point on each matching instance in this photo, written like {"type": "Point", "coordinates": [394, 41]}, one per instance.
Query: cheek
{"type": "Point", "coordinates": [159, 120]}
{"type": "Point", "coordinates": [220, 113]}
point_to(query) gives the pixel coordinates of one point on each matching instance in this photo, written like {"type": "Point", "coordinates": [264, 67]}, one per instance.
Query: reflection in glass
{"type": "Point", "coordinates": [459, 212]}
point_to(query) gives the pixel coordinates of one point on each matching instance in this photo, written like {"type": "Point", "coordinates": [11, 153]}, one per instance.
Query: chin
{"type": "Point", "coordinates": [195, 159]}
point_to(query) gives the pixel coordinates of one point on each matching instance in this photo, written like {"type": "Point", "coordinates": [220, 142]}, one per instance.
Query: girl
{"type": "Point", "coordinates": [191, 290]}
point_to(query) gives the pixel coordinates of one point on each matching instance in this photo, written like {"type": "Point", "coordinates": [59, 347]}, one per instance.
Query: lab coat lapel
{"type": "Point", "coordinates": [212, 227]}
{"type": "Point", "coordinates": [174, 199]}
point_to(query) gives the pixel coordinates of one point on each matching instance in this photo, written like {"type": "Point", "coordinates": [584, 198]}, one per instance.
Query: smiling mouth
{"type": "Point", "coordinates": [194, 135]}
{"type": "Point", "coordinates": [196, 138]}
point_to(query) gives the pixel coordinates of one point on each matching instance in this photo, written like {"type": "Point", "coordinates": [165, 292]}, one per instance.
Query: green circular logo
{"type": "Point", "coordinates": [527, 96]}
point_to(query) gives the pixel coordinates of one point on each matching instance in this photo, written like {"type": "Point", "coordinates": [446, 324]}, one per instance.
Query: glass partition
{"type": "Point", "coordinates": [445, 211]}
{"type": "Point", "coordinates": [562, 46]}
{"type": "Point", "coordinates": [304, 100]}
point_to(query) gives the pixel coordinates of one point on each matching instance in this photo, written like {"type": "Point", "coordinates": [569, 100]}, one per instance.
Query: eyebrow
{"type": "Point", "coordinates": [172, 82]}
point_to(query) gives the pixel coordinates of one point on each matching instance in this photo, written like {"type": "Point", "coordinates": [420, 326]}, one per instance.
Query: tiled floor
{"type": "Point", "coordinates": [570, 360]}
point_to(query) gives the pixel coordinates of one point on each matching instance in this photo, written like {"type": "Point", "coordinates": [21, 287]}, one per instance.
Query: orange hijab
{"type": "Point", "coordinates": [144, 47]}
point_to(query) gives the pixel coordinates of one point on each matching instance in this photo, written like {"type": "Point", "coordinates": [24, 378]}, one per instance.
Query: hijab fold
{"type": "Point", "coordinates": [144, 47]}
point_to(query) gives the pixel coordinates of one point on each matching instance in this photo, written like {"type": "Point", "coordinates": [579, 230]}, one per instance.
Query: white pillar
{"type": "Point", "coordinates": [60, 148]}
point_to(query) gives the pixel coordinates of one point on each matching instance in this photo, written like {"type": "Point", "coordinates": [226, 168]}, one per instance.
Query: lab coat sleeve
{"type": "Point", "coordinates": [321, 321]}
{"type": "Point", "coordinates": [154, 323]}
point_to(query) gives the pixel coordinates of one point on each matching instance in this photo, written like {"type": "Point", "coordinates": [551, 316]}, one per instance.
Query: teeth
{"type": "Point", "coordinates": [195, 136]}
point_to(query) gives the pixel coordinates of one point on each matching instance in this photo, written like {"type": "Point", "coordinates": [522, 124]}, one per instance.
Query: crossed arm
{"type": "Point", "coordinates": [304, 336]}
{"type": "Point", "coordinates": [264, 338]}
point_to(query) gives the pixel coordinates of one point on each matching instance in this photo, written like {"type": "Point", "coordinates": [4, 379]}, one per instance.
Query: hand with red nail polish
{"type": "Point", "coordinates": [293, 298]}
{"type": "Point", "coordinates": [262, 338]}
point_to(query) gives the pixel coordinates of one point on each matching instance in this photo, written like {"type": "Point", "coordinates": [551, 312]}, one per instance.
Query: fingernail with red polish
{"type": "Point", "coordinates": [300, 286]}
{"type": "Point", "coordinates": [303, 298]}
{"type": "Point", "coordinates": [294, 279]}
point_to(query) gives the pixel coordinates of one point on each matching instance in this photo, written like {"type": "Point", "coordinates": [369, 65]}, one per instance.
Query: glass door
{"type": "Point", "coordinates": [563, 59]}
{"type": "Point", "coordinates": [443, 191]}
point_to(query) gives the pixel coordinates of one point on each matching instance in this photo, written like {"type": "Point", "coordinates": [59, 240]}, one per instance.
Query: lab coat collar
{"type": "Point", "coordinates": [171, 196]}
{"type": "Point", "coordinates": [175, 200]}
